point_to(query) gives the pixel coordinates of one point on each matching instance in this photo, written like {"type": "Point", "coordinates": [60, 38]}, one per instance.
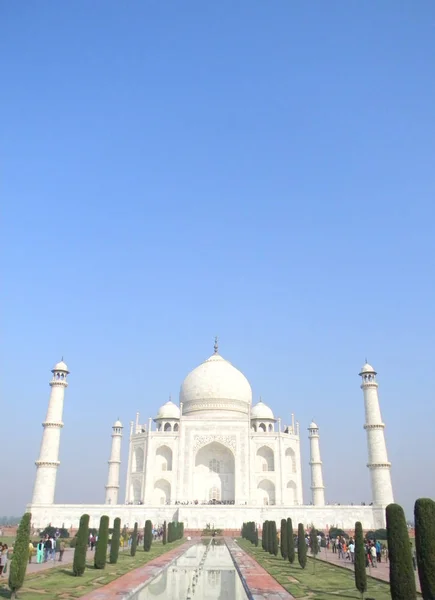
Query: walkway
{"type": "Point", "coordinates": [68, 557]}
{"type": "Point", "coordinates": [382, 571]}
{"type": "Point", "coordinates": [257, 581]}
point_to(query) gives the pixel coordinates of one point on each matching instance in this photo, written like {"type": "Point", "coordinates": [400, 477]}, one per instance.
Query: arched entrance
{"type": "Point", "coordinates": [213, 478]}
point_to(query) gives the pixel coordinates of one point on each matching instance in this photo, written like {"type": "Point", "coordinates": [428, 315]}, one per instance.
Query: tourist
{"type": "Point", "coordinates": [53, 548]}
{"type": "Point", "coordinates": [351, 549]}
{"type": "Point", "coordinates": [31, 550]}
{"type": "Point", "coordinates": [378, 551]}
{"type": "Point", "coordinates": [61, 550]}
{"type": "Point", "coordinates": [47, 548]}
{"type": "Point", "coordinates": [40, 551]}
{"type": "Point", "coordinates": [3, 559]}
{"type": "Point", "coordinates": [373, 556]}
{"type": "Point", "coordinates": [334, 545]}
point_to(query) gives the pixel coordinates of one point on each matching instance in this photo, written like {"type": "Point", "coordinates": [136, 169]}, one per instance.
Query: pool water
{"type": "Point", "coordinates": [205, 571]}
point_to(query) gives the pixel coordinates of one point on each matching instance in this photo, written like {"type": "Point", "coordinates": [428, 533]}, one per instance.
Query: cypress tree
{"type": "Point", "coordinates": [79, 562]}
{"type": "Point", "coordinates": [181, 530]}
{"type": "Point", "coordinates": [103, 539]}
{"type": "Point", "coordinates": [302, 546]}
{"type": "Point", "coordinates": [170, 528]}
{"type": "Point", "coordinates": [116, 540]}
{"type": "Point", "coordinates": [270, 537]}
{"type": "Point", "coordinates": [164, 534]}
{"type": "Point", "coordinates": [148, 536]}
{"type": "Point", "coordinates": [134, 541]}
{"type": "Point", "coordinates": [20, 558]}
{"type": "Point", "coordinates": [424, 513]}
{"type": "Point", "coordinates": [402, 578]}
{"type": "Point", "coordinates": [284, 543]}
{"type": "Point", "coordinates": [290, 542]}
{"type": "Point", "coordinates": [274, 539]}
{"type": "Point", "coordinates": [360, 560]}
{"type": "Point", "coordinates": [264, 536]}
{"type": "Point", "coordinates": [256, 538]}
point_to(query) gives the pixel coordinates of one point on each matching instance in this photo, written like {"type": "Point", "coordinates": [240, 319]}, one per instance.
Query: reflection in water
{"type": "Point", "coordinates": [202, 572]}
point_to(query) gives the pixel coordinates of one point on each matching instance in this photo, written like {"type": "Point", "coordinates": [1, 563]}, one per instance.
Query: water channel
{"type": "Point", "coordinates": [205, 571]}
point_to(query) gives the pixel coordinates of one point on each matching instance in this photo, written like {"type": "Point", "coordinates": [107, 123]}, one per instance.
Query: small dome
{"type": "Point", "coordinates": [261, 411]}
{"type": "Point", "coordinates": [169, 411]}
{"type": "Point", "coordinates": [367, 369]}
{"type": "Point", "coordinates": [313, 425]}
{"type": "Point", "coordinates": [60, 366]}
{"type": "Point", "coordinates": [117, 423]}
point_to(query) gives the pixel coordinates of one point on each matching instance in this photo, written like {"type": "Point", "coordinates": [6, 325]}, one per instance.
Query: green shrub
{"type": "Point", "coordinates": [51, 532]}
{"type": "Point", "coordinates": [360, 560]}
{"type": "Point", "coordinates": [314, 542]}
{"type": "Point", "coordinates": [100, 556]}
{"type": "Point", "coordinates": [424, 513]}
{"type": "Point", "coordinates": [134, 541]}
{"type": "Point", "coordinates": [380, 534]}
{"type": "Point", "coordinates": [170, 532]}
{"type": "Point", "coordinates": [402, 578]}
{"type": "Point", "coordinates": [284, 544]}
{"type": "Point", "coordinates": [20, 558]}
{"type": "Point", "coordinates": [302, 547]}
{"type": "Point", "coordinates": [164, 535]}
{"type": "Point", "coordinates": [290, 542]}
{"type": "Point", "coordinates": [115, 542]}
{"type": "Point", "coordinates": [79, 562]}
{"type": "Point", "coordinates": [148, 536]}
{"type": "Point", "coordinates": [270, 537]}
{"type": "Point", "coordinates": [335, 531]}
{"type": "Point", "coordinates": [264, 536]}
{"type": "Point", "coordinates": [274, 539]}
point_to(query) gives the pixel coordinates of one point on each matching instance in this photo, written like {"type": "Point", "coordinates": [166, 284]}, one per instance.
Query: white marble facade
{"type": "Point", "coordinates": [216, 459]}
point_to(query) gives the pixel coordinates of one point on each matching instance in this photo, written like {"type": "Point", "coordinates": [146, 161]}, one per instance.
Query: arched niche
{"type": "Point", "coordinates": [266, 492]}
{"type": "Point", "coordinates": [162, 492]}
{"type": "Point", "coordinates": [214, 468]}
{"type": "Point", "coordinates": [291, 493]}
{"type": "Point", "coordinates": [290, 460]}
{"type": "Point", "coordinates": [138, 459]}
{"type": "Point", "coordinates": [164, 458]}
{"type": "Point", "coordinates": [265, 459]}
{"type": "Point", "coordinates": [136, 491]}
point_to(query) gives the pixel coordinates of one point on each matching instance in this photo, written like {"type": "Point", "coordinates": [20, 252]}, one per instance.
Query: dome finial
{"type": "Point", "coordinates": [216, 345]}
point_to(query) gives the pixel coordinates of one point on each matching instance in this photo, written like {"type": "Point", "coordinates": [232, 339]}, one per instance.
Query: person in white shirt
{"type": "Point", "coordinates": [351, 549]}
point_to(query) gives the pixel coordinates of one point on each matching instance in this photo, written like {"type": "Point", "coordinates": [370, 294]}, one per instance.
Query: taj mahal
{"type": "Point", "coordinates": [213, 458]}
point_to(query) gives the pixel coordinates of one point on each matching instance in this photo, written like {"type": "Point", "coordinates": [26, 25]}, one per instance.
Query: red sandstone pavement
{"type": "Point", "coordinates": [132, 581]}
{"type": "Point", "coordinates": [261, 585]}
{"type": "Point", "coordinates": [382, 570]}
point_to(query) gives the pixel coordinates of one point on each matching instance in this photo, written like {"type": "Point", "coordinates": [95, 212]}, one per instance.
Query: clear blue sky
{"type": "Point", "coordinates": [263, 171]}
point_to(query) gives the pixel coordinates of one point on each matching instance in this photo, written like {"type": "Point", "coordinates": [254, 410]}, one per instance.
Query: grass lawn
{"type": "Point", "coordinates": [328, 583]}
{"type": "Point", "coordinates": [59, 583]}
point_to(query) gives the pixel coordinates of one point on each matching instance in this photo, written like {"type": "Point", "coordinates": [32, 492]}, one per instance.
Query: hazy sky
{"type": "Point", "coordinates": [263, 171]}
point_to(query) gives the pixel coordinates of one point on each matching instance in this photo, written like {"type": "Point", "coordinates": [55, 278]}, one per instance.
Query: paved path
{"type": "Point", "coordinates": [260, 585]}
{"type": "Point", "coordinates": [68, 557]}
{"type": "Point", "coordinates": [382, 571]}
{"type": "Point", "coordinates": [128, 584]}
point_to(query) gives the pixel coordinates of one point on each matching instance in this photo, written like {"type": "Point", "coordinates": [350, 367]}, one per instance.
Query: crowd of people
{"type": "Point", "coordinates": [46, 549]}
{"type": "Point", "coordinates": [204, 502]}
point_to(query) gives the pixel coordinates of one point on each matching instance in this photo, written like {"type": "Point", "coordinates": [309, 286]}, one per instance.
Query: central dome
{"type": "Point", "coordinates": [215, 386]}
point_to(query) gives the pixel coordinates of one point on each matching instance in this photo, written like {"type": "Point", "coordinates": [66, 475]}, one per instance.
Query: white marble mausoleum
{"type": "Point", "coordinates": [213, 458]}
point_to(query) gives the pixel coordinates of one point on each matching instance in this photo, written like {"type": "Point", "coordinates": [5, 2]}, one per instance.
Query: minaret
{"type": "Point", "coordinates": [112, 487]}
{"type": "Point", "coordinates": [48, 462]}
{"type": "Point", "coordinates": [380, 475]}
{"type": "Point", "coordinates": [317, 487]}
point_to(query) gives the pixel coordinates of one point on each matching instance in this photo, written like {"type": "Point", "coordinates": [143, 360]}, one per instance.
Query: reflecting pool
{"type": "Point", "coordinates": [204, 571]}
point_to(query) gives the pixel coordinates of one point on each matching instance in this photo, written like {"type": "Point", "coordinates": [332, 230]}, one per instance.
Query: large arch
{"type": "Point", "coordinates": [214, 470]}
{"type": "Point", "coordinates": [265, 459]}
{"type": "Point", "coordinates": [136, 491]}
{"type": "Point", "coordinates": [291, 493]}
{"type": "Point", "coordinates": [163, 458]}
{"type": "Point", "coordinates": [162, 492]}
{"type": "Point", "coordinates": [266, 492]}
{"type": "Point", "coordinates": [290, 461]}
{"type": "Point", "coordinates": [138, 459]}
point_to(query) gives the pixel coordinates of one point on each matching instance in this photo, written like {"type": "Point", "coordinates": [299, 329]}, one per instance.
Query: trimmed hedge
{"type": "Point", "coordinates": [79, 562]}
{"type": "Point", "coordinates": [116, 541]}
{"type": "Point", "coordinates": [302, 547]}
{"type": "Point", "coordinates": [290, 542]}
{"type": "Point", "coordinates": [148, 536]}
{"type": "Point", "coordinates": [360, 560]}
{"type": "Point", "coordinates": [284, 544]}
{"type": "Point", "coordinates": [134, 541]}
{"type": "Point", "coordinates": [100, 556]}
{"type": "Point", "coordinates": [424, 513]}
{"type": "Point", "coordinates": [402, 578]}
{"type": "Point", "coordinates": [164, 535]}
{"type": "Point", "coordinates": [20, 557]}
